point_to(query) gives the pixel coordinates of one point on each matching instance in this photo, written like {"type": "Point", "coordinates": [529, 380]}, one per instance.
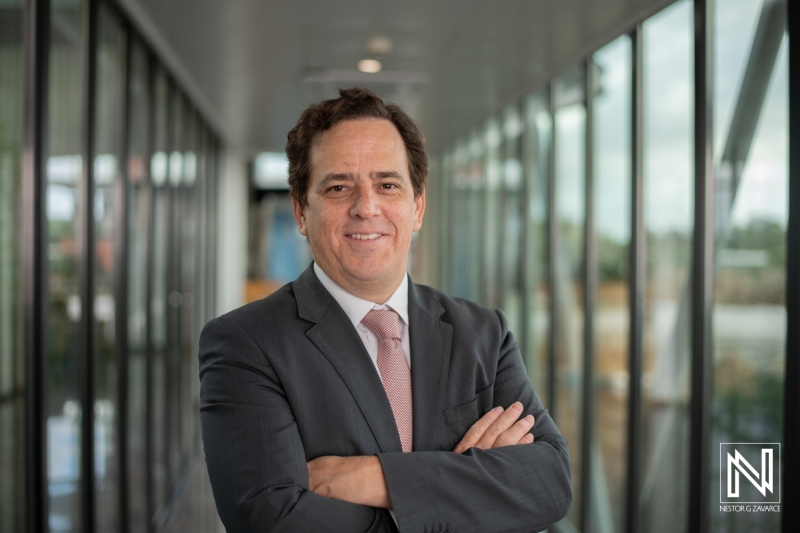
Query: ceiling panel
{"type": "Point", "coordinates": [258, 63]}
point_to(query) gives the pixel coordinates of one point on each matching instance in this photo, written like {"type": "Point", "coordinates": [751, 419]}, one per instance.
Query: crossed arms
{"type": "Point", "coordinates": [263, 480]}
{"type": "Point", "coordinates": [360, 479]}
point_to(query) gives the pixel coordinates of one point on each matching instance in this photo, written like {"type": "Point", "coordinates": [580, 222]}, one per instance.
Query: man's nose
{"type": "Point", "coordinates": [366, 203]}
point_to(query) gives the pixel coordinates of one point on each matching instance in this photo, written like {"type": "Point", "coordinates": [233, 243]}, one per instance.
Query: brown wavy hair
{"type": "Point", "coordinates": [352, 104]}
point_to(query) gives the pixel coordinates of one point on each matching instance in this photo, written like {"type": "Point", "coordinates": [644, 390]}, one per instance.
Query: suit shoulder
{"type": "Point", "coordinates": [460, 309]}
{"type": "Point", "coordinates": [279, 304]}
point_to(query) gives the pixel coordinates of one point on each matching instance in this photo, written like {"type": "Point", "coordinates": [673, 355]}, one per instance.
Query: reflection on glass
{"type": "Point", "coordinates": [65, 346]}
{"type": "Point", "coordinates": [538, 131]}
{"type": "Point", "coordinates": [570, 193]}
{"type": "Point", "coordinates": [612, 194]}
{"type": "Point", "coordinates": [210, 237]}
{"type": "Point", "coordinates": [139, 215]}
{"type": "Point", "coordinates": [12, 348]}
{"type": "Point", "coordinates": [174, 297]}
{"type": "Point", "coordinates": [107, 183]}
{"type": "Point", "coordinates": [492, 137]}
{"type": "Point", "coordinates": [668, 219]}
{"type": "Point", "coordinates": [187, 194]}
{"type": "Point", "coordinates": [158, 297]}
{"type": "Point", "coordinates": [461, 238]}
{"type": "Point", "coordinates": [202, 286]}
{"type": "Point", "coordinates": [510, 235]}
{"type": "Point", "coordinates": [749, 315]}
{"type": "Point", "coordinates": [474, 205]}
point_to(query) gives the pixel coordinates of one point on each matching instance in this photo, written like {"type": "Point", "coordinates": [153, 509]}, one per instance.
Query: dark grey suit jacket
{"type": "Point", "coordinates": [287, 379]}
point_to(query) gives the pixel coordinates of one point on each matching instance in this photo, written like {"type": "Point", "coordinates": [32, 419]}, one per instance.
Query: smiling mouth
{"type": "Point", "coordinates": [364, 236]}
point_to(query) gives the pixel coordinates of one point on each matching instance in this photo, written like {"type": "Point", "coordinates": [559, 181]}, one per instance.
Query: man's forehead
{"type": "Point", "coordinates": [346, 142]}
{"type": "Point", "coordinates": [356, 130]}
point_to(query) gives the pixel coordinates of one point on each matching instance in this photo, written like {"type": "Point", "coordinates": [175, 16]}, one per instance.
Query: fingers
{"type": "Point", "coordinates": [526, 439]}
{"type": "Point", "coordinates": [513, 434]}
{"type": "Point", "coordinates": [505, 422]}
{"type": "Point", "coordinates": [497, 428]}
{"type": "Point", "coordinates": [477, 430]}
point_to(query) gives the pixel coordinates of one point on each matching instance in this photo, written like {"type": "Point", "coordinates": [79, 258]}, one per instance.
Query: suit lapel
{"type": "Point", "coordinates": [430, 359]}
{"type": "Point", "coordinates": [338, 340]}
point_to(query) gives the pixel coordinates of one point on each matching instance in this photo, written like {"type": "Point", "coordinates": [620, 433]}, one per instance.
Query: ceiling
{"type": "Point", "coordinates": [253, 65]}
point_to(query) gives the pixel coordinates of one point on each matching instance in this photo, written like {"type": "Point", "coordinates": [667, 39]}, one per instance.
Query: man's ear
{"type": "Point", "coordinates": [299, 213]}
{"type": "Point", "coordinates": [419, 209]}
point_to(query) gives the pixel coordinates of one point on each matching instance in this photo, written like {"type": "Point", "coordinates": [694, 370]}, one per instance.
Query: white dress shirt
{"type": "Point", "coordinates": [356, 309]}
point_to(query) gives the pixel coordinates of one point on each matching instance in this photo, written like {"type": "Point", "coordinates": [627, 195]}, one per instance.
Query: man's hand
{"type": "Point", "coordinates": [498, 428]}
{"type": "Point", "coordinates": [360, 479]}
{"type": "Point", "coordinates": [357, 479]}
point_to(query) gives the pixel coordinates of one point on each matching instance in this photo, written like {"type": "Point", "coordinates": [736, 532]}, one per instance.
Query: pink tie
{"type": "Point", "coordinates": [394, 370]}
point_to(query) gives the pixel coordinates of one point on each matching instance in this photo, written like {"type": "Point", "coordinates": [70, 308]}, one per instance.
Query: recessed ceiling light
{"type": "Point", "coordinates": [379, 46]}
{"type": "Point", "coordinates": [370, 66]}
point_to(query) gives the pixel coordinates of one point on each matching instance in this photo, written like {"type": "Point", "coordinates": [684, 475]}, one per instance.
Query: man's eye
{"type": "Point", "coordinates": [388, 186]}
{"type": "Point", "coordinates": [337, 188]}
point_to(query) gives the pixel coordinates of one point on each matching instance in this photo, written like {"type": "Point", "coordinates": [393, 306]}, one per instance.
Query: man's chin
{"type": "Point", "coordinates": [373, 276]}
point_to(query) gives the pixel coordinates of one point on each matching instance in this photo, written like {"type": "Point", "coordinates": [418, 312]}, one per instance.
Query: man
{"type": "Point", "coordinates": [353, 400]}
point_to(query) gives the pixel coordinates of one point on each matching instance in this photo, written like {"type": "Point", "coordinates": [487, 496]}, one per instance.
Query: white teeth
{"type": "Point", "coordinates": [363, 237]}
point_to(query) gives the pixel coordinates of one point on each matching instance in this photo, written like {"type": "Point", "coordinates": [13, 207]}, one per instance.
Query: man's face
{"type": "Point", "coordinates": [361, 208]}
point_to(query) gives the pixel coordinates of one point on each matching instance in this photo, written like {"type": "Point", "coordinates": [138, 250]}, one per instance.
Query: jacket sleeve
{"type": "Point", "coordinates": [518, 488]}
{"type": "Point", "coordinates": [255, 456]}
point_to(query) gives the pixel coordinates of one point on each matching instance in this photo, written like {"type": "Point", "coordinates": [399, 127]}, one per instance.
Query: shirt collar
{"type": "Point", "coordinates": [356, 308]}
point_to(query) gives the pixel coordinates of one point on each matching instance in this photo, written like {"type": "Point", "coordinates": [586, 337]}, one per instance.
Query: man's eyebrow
{"type": "Point", "coordinates": [386, 174]}
{"type": "Point", "coordinates": [334, 177]}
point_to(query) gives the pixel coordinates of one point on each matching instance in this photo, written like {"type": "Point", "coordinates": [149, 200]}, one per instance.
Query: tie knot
{"type": "Point", "coordinates": [383, 323]}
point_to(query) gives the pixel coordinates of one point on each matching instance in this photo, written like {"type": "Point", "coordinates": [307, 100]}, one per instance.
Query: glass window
{"type": "Point", "coordinates": [12, 348]}
{"type": "Point", "coordinates": [173, 391]}
{"type": "Point", "coordinates": [212, 162]}
{"type": "Point", "coordinates": [492, 139]}
{"type": "Point", "coordinates": [438, 184]}
{"type": "Point", "coordinates": [749, 315]}
{"type": "Point", "coordinates": [668, 157]}
{"type": "Point", "coordinates": [612, 215]}
{"type": "Point", "coordinates": [187, 195]}
{"type": "Point", "coordinates": [65, 343]}
{"type": "Point", "coordinates": [110, 57]}
{"type": "Point", "coordinates": [570, 206]}
{"type": "Point", "coordinates": [139, 226]}
{"type": "Point", "coordinates": [201, 282]}
{"type": "Point", "coordinates": [160, 205]}
{"type": "Point", "coordinates": [461, 236]}
{"type": "Point", "coordinates": [474, 200]}
{"type": "Point", "coordinates": [512, 221]}
{"type": "Point", "coordinates": [538, 143]}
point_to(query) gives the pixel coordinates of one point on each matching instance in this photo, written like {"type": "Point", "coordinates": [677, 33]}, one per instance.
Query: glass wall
{"type": "Point", "coordinates": [749, 315]}
{"type": "Point", "coordinates": [611, 139]}
{"type": "Point", "coordinates": [492, 138]}
{"type": "Point", "coordinates": [108, 154]}
{"type": "Point", "coordinates": [66, 342]}
{"type": "Point", "coordinates": [158, 297]}
{"type": "Point", "coordinates": [569, 138]}
{"type": "Point", "coordinates": [641, 88]}
{"type": "Point", "coordinates": [668, 219]}
{"type": "Point", "coordinates": [12, 348]}
{"type": "Point", "coordinates": [172, 293]}
{"type": "Point", "coordinates": [511, 231]}
{"type": "Point", "coordinates": [125, 240]}
{"type": "Point", "coordinates": [537, 149]}
{"type": "Point", "coordinates": [138, 236]}
{"type": "Point", "coordinates": [461, 237]}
